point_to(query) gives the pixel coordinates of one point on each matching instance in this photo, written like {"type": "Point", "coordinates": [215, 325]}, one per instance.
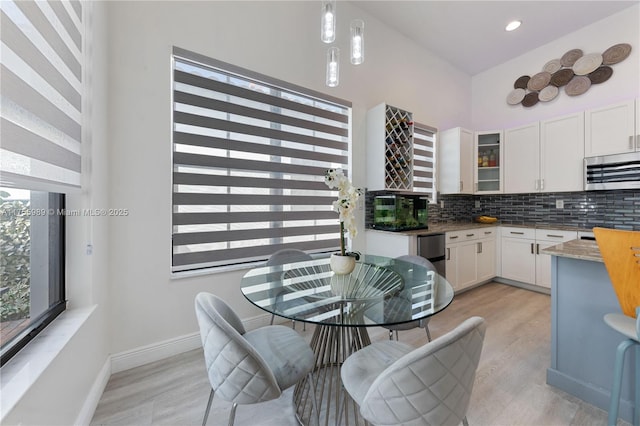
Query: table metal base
{"type": "Point", "coordinates": [331, 346]}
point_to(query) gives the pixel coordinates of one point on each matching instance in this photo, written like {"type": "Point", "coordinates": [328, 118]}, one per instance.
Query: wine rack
{"type": "Point", "coordinates": [398, 149]}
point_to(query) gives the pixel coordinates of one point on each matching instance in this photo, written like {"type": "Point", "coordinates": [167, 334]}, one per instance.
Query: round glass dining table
{"type": "Point", "coordinates": [380, 291]}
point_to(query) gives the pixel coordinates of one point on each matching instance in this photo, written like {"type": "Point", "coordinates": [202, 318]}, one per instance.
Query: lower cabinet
{"type": "Point", "coordinates": [521, 257]}
{"type": "Point", "coordinates": [470, 256]}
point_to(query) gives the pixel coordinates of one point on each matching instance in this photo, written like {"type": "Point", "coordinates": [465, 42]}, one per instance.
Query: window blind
{"type": "Point", "coordinates": [424, 160]}
{"type": "Point", "coordinates": [249, 159]}
{"type": "Point", "coordinates": [41, 97]}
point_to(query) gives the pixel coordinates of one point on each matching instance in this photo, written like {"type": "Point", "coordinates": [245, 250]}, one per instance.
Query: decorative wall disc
{"type": "Point", "coordinates": [600, 75]}
{"type": "Point", "coordinates": [515, 96]}
{"type": "Point", "coordinates": [587, 64]}
{"type": "Point", "coordinates": [548, 93]}
{"type": "Point", "coordinates": [569, 58]}
{"type": "Point", "coordinates": [552, 66]}
{"type": "Point", "coordinates": [562, 77]}
{"type": "Point", "coordinates": [578, 85]}
{"type": "Point", "coordinates": [538, 81]}
{"type": "Point", "coordinates": [616, 53]}
{"type": "Point", "coordinates": [521, 82]}
{"type": "Point", "coordinates": [530, 99]}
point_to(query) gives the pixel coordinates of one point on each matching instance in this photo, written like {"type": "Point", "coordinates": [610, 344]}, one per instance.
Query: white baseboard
{"type": "Point", "coordinates": [165, 349]}
{"type": "Point", "coordinates": [95, 393]}
{"type": "Point", "coordinates": [154, 352]}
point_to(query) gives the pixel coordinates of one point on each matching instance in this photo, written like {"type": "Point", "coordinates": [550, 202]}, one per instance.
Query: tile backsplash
{"type": "Point", "coordinates": [612, 209]}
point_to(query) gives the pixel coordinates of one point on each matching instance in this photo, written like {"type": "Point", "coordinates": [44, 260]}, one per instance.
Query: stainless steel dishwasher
{"type": "Point", "coordinates": [432, 248]}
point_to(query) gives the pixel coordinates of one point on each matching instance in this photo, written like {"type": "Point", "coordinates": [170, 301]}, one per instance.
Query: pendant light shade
{"type": "Point", "coordinates": [333, 66]}
{"type": "Point", "coordinates": [357, 41]}
{"type": "Point", "coordinates": [328, 21]}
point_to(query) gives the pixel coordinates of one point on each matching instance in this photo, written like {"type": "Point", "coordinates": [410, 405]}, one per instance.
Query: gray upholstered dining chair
{"type": "Point", "coordinates": [423, 323]}
{"type": "Point", "coordinates": [247, 367]}
{"type": "Point", "coordinates": [395, 383]}
{"type": "Point", "coordinates": [281, 257]}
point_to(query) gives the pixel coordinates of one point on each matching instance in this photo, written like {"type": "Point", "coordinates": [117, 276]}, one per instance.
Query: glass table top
{"type": "Point", "coordinates": [379, 291]}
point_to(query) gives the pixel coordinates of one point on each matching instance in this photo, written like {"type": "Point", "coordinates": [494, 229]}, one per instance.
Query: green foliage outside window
{"type": "Point", "coordinates": [15, 250]}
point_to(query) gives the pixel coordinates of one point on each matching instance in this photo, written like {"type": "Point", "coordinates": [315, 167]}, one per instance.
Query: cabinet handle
{"type": "Point", "coordinates": [631, 143]}
{"type": "Point", "coordinates": [476, 190]}
{"type": "Point", "coordinates": [536, 184]}
{"type": "Point", "coordinates": [448, 253]}
{"type": "Point", "coordinates": [537, 248]}
{"type": "Point", "coordinates": [637, 141]}
{"type": "Point", "coordinates": [516, 233]}
{"type": "Point", "coordinates": [470, 235]}
{"type": "Point", "coordinates": [461, 186]}
{"type": "Point", "coordinates": [479, 250]}
{"type": "Point", "coordinates": [488, 232]}
{"type": "Point", "coordinates": [541, 184]}
{"type": "Point", "coordinates": [453, 237]}
{"type": "Point", "coordinates": [532, 252]}
{"type": "Point", "coordinates": [554, 236]}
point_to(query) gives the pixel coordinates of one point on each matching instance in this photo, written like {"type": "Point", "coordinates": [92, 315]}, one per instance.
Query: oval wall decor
{"type": "Point", "coordinates": [574, 71]}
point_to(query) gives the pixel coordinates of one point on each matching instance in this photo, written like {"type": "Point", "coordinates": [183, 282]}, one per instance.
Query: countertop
{"type": "Point", "coordinates": [436, 228]}
{"type": "Point", "coordinates": [576, 249]}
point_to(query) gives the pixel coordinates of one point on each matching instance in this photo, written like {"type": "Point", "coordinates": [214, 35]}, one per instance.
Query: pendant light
{"type": "Point", "coordinates": [357, 41]}
{"type": "Point", "coordinates": [333, 66]}
{"type": "Point", "coordinates": [328, 21]}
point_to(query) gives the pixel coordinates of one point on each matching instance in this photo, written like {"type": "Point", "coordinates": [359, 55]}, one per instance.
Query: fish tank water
{"type": "Point", "coordinates": [396, 212]}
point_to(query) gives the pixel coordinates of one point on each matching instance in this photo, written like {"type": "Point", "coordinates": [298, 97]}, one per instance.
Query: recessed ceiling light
{"type": "Point", "coordinates": [512, 25]}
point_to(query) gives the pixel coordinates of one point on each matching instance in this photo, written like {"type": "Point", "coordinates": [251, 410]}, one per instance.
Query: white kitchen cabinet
{"type": "Point", "coordinates": [521, 257]}
{"type": "Point", "coordinates": [612, 129]}
{"type": "Point", "coordinates": [545, 156]}
{"type": "Point", "coordinates": [488, 164]}
{"type": "Point", "coordinates": [518, 254]}
{"type": "Point", "coordinates": [470, 256]}
{"type": "Point", "coordinates": [562, 153]}
{"type": "Point", "coordinates": [547, 238]}
{"type": "Point", "coordinates": [455, 161]}
{"type": "Point", "coordinates": [522, 159]}
{"type": "Point", "coordinates": [486, 255]}
{"type": "Point", "coordinates": [390, 244]}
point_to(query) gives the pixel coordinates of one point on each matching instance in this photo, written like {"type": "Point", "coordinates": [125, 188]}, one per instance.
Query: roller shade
{"type": "Point", "coordinates": [41, 97]}
{"type": "Point", "coordinates": [249, 158]}
{"type": "Point", "coordinates": [424, 160]}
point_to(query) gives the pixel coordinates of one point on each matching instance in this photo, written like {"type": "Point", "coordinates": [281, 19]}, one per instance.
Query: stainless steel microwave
{"type": "Point", "coordinates": [617, 171]}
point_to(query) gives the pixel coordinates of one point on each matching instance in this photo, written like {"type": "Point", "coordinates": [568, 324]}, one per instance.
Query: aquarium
{"type": "Point", "coordinates": [395, 212]}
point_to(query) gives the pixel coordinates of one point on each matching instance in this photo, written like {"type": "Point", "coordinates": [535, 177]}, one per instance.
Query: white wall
{"type": "Point", "coordinates": [279, 39]}
{"type": "Point", "coordinates": [490, 88]}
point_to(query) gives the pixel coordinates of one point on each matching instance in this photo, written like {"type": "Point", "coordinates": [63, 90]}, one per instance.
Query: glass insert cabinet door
{"type": "Point", "coordinates": [488, 166]}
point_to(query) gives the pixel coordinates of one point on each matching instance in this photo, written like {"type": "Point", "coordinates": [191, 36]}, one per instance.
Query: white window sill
{"type": "Point", "coordinates": [25, 368]}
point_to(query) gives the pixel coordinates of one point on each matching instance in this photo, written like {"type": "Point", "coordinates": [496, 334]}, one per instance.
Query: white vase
{"type": "Point", "coordinates": [342, 265]}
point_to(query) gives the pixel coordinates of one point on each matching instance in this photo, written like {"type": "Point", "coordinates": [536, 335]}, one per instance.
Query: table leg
{"type": "Point", "coordinates": [331, 346]}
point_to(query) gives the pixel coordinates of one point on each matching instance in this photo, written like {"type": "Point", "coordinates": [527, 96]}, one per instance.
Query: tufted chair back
{"type": "Point", "coordinates": [430, 385]}
{"type": "Point", "coordinates": [237, 373]}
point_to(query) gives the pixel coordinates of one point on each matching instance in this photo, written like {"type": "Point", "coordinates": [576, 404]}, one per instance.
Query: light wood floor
{"type": "Point", "coordinates": [510, 386]}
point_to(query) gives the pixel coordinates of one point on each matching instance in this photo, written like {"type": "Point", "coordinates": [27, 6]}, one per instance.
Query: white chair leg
{"type": "Point", "coordinates": [426, 328]}
{"type": "Point", "coordinates": [232, 415]}
{"type": "Point", "coordinates": [465, 422]}
{"type": "Point", "coordinates": [271, 323]}
{"type": "Point", "coordinates": [206, 412]}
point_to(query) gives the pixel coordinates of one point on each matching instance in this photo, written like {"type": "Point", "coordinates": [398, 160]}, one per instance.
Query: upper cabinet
{"type": "Point", "coordinates": [522, 159]}
{"type": "Point", "coordinates": [545, 156]}
{"type": "Point", "coordinates": [389, 148]}
{"type": "Point", "coordinates": [562, 154]}
{"type": "Point", "coordinates": [612, 129]}
{"type": "Point", "coordinates": [455, 161]}
{"type": "Point", "coordinates": [488, 164]}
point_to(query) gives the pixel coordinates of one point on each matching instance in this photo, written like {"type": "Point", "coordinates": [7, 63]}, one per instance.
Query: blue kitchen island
{"type": "Point", "coordinates": [582, 346]}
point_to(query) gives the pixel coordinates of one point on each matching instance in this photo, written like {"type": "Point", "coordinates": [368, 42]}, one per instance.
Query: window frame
{"type": "Point", "coordinates": [56, 233]}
